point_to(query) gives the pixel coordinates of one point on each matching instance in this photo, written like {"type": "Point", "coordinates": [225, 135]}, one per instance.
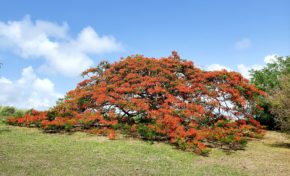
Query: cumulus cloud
{"type": "Point", "coordinates": [244, 69]}
{"type": "Point", "coordinates": [243, 44]}
{"type": "Point", "coordinates": [216, 67]}
{"type": "Point", "coordinates": [52, 43]}
{"type": "Point", "coordinates": [29, 91]}
{"type": "Point", "coordinates": [271, 58]}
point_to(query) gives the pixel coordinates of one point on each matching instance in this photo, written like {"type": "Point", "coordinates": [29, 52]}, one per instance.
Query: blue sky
{"type": "Point", "coordinates": [44, 45]}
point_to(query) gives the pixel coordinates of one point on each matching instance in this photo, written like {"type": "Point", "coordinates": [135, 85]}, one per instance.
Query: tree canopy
{"type": "Point", "coordinates": [267, 78]}
{"type": "Point", "coordinates": [167, 99]}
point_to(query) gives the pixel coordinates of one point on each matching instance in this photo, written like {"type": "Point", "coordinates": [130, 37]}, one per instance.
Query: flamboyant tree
{"type": "Point", "coordinates": [158, 99]}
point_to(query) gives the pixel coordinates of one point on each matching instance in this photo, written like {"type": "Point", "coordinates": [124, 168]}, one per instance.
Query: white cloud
{"type": "Point", "coordinates": [90, 42]}
{"type": "Point", "coordinates": [244, 70]}
{"type": "Point", "coordinates": [271, 58]}
{"type": "Point", "coordinates": [52, 42]}
{"type": "Point", "coordinates": [243, 44]}
{"type": "Point", "coordinates": [28, 91]}
{"type": "Point", "coordinates": [217, 67]}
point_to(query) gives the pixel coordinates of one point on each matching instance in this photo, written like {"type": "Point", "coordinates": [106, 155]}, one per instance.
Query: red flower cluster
{"type": "Point", "coordinates": [31, 119]}
{"type": "Point", "coordinates": [158, 99]}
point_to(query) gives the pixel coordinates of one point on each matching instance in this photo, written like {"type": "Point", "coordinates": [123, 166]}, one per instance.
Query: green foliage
{"type": "Point", "coordinates": [68, 127]}
{"type": "Point", "coordinates": [59, 101]}
{"type": "Point", "coordinates": [51, 115]}
{"type": "Point", "coordinates": [19, 112]}
{"type": "Point", "coordinates": [145, 132]}
{"type": "Point", "coordinates": [228, 139]}
{"type": "Point", "coordinates": [243, 142]}
{"type": "Point", "coordinates": [205, 152]}
{"type": "Point", "coordinates": [264, 116]}
{"type": "Point", "coordinates": [269, 80]}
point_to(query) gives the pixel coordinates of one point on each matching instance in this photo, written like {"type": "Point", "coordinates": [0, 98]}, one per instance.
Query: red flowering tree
{"type": "Point", "coordinates": [166, 99]}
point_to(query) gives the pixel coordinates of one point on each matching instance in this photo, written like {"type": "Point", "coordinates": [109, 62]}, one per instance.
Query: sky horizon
{"type": "Point", "coordinates": [44, 46]}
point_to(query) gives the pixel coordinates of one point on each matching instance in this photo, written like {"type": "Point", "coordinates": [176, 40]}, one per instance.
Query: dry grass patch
{"type": "Point", "coordinates": [267, 156]}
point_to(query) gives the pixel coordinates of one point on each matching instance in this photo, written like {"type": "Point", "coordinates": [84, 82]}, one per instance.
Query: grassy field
{"type": "Point", "coordinates": [27, 151]}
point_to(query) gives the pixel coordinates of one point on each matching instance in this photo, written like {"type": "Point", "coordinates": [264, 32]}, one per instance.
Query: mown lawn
{"type": "Point", "coordinates": [27, 151]}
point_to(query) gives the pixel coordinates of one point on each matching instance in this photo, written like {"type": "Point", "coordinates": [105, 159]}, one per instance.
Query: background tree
{"type": "Point", "coordinates": [11, 111]}
{"type": "Point", "coordinates": [270, 79]}
{"type": "Point", "coordinates": [279, 100]}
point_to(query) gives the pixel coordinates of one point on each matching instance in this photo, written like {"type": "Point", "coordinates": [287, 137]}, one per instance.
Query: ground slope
{"type": "Point", "coordinates": [26, 151]}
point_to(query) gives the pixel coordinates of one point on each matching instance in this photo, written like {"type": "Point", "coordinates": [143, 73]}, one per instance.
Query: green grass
{"type": "Point", "coordinates": [27, 151]}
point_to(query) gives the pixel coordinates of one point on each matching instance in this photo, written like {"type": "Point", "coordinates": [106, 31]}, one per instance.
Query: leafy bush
{"type": "Point", "coordinates": [167, 99]}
